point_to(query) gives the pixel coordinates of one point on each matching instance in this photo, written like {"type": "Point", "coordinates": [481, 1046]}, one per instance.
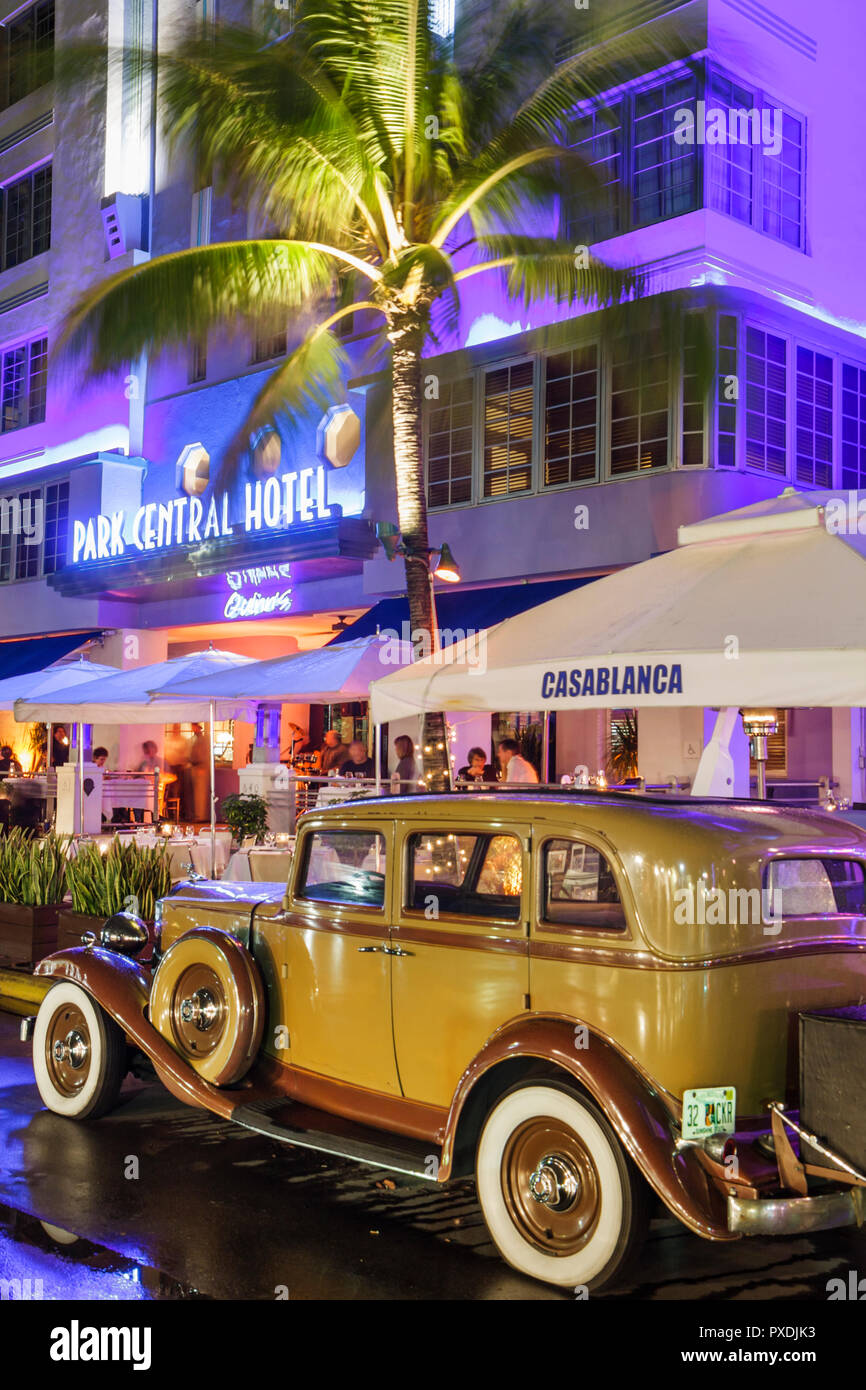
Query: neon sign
{"type": "Point", "coordinates": [270, 504]}
{"type": "Point", "coordinates": [257, 605]}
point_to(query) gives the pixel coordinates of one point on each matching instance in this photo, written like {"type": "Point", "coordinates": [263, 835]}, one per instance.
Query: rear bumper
{"type": "Point", "coordinates": [785, 1216]}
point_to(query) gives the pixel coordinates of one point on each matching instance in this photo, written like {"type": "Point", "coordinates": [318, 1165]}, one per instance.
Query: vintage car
{"type": "Point", "coordinates": [581, 998]}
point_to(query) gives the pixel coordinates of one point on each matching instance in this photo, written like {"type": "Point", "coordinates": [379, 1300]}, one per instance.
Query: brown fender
{"type": "Point", "coordinates": [626, 1096]}
{"type": "Point", "coordinates": [122, 988]}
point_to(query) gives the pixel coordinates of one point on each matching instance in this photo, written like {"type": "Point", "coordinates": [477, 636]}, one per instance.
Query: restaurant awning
{"type": "Point", "coordinates": [18, 655]}
{"type": "Point", "coordinates": [764, 606]}
{"type": "Point", "coordinates": [461, 610]}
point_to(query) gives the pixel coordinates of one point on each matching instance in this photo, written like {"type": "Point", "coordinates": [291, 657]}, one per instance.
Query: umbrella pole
{"type": "Point", "coordinates": [80, 779]}
{"type": "Point", "coordinates": [212, 793]}
{"type": "Point", "coordinates": [377, 755]}
{"type": "Point", "coordinates": [545, 750]}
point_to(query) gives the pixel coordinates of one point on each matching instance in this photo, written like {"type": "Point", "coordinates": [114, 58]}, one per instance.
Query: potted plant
{"type": "Point", "coordinates": [247, 815]}
{"type": "Point", "coordinates": [126, 877]}
{"type": "Point", "coordinates": [32, 887]}
{"type": "Point", "coordinates": [622, 759]}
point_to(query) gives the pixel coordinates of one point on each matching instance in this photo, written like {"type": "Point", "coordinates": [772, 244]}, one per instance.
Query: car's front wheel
{"type": "Point", "coordinates": [79, 1053]}
{"type": "Point", "coordinates": [559, 1195]}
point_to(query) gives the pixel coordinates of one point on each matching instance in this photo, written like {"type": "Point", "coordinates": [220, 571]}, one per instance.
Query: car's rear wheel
{"type": "Point", "coordinates": [79, 1053]}
{"type": "Point", "coordinates": [559, 1195]}
{"type": "Point", "coordinates": [208, 1001]}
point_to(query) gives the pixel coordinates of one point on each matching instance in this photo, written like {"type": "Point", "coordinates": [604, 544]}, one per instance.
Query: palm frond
{"type": "Point", "coordinates": [537, 267]}
{"type": "Point", "coordinates": [180, 296]}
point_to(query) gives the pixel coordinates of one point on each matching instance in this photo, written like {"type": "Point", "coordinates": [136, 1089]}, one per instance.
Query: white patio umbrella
{"type": "Point", "coordinates": [325, 676]}
{"type": "Point", "coordinates": [763, 606]}
{"type": "Point", "coordinates": [145, 694]}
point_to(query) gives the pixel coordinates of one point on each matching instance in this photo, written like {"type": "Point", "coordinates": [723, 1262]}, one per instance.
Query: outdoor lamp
{"type": "Point", "coordinates": [447, 567]}
{"type": "Point", "coordinates": [758, 724]}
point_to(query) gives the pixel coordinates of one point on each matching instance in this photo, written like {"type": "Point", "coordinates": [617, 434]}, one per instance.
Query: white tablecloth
{"type": "Point", "coordinates": [260, 865]}
{"type": "Point", "coordinates": [182, 853]}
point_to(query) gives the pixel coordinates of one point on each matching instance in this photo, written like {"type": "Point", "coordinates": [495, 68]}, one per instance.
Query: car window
{"type": "Point", "coordinates": [344, 866]}
{"type": "Point", "coordinates": [579, 887]}
{"type": "Point", "coordinates": [473, 875]}
{"type": "Point", "coordinates": [813, 887]}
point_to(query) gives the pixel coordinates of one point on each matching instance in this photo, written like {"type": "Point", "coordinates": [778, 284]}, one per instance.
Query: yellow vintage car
{"type": "Point", "coordinates": [581, 998]}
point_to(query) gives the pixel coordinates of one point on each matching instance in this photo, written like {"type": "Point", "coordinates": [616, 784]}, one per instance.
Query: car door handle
{"type": "Point", "coordinates": [369, 950]}
{"type": "Point", "coordinates": [396, 951]}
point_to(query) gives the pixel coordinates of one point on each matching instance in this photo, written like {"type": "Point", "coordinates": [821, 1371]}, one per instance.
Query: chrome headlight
{"type": "Point", "coordinates": [125, 934]}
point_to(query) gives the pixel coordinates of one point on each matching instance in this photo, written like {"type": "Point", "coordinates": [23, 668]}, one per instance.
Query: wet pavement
{"type": "Point", "coordinates": [167, 1202]}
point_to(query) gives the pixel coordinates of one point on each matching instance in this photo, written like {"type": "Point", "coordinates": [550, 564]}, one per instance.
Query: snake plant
{"type": "Point", "coordinates": [33, 872]}
{"type": "Point", "coordinates": [127, 877]}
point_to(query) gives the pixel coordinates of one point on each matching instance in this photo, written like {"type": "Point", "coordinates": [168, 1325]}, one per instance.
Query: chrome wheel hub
{"type": "Point", "coordinates": [73, 1050]}
{"type": "Point", "coordinates": [555, 1183]}
{"type": "Point", "coordinates": [201, 1010]}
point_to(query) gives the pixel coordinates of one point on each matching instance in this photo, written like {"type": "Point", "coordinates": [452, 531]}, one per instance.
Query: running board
{"type": "Point", "coordinates": [291, 1123]}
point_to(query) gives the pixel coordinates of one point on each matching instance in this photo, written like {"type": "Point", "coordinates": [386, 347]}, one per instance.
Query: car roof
{"type": "Point", "coordinates": [785, 824]}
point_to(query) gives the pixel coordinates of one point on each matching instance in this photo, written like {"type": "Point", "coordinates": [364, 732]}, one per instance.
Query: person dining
{"type": "Point", "coordinates": [514, 767]}
{"type": "Point", "coordinates": [9, 764]}
{"type": "Point", "coordinates": [358, 763]}
{"type": "Point", "coordinates": [477, 768]}
{"type": "Point", "coordinates": [407, 769]}
{"type": "Point", "coordinates": [333, 752]}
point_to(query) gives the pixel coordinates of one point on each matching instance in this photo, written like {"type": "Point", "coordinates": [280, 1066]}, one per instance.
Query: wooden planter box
{"type": "Point", "coordinates": [28, 933]}
{"type": "Point", "coordinates": [71, 926]}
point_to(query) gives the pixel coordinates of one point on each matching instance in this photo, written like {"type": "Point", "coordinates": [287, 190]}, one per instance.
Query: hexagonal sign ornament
{"type": "Point", "coordinates": [338, 436]}
{"type": "Point", "coordinates": [267, 450]}
{"type": "Point", "coordinates": [193, 469]}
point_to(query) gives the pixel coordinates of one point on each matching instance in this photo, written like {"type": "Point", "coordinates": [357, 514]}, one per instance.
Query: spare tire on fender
{"type": "Point", "coordinates": [208, 1002]}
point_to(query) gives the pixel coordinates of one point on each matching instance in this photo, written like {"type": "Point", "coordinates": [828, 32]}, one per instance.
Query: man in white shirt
{"type": "Point", "coordinates": [514, 767]}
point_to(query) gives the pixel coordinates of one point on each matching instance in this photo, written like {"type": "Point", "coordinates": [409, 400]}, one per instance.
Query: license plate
{"type": "Point", "coordinates": [712, 1110]}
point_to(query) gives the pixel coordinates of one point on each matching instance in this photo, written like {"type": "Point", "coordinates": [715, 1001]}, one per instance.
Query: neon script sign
{"type": "Point", "coordinates": [270, 504]}
{"type": "Point", "coordinates": [256, 604]}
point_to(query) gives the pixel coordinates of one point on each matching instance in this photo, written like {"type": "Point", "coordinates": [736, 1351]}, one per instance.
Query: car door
{"type": "Point", "coordinates": [461, 899]}
{"type": "Point", "coordinates": [337, 966]}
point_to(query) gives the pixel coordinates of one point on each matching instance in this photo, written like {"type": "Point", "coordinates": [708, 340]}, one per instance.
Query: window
{"type": "Point", "coordinates": [267, 346]}
{"type": "Point", "coordinates": [598, 138]}
{"type": "Point", "coordinates": [34, 526]}
{"type": "Point", "coordinates": [467, 875]}
{"type": "Point", "coordinates": [783, 184]}
{"type": "Point", "coordinates": [508, 401]}
{"type": "Point", "coordinates": [665, 176]}
{"type": "Point", "coordinates": [658, 153]}
{"type": "Point", "coordinates": [571, 417]}
{"type": "Point", "coordinates": [27, 550]}
{"type": "Point", "coordinates": [23, 385]}
{"type": "Point", "coordinates": [853, 426]}
{"type": "Point", "coordinates": [56, 527]}
{"type": "Point", "coordinates": [693, 400]}
{"type": "Point", "coordinates": [344, 866]}
{"type": "Point", "coordinates": [579, 887]}
{"type": "Point", "coordinates": [730, 164]}
{"type": "Point", "coordinates": [638, 408]}
{"type": "Point", "coordinates": [24, 42]}
{"type": "Point", "coordinates": [449, 445]}
{"type": "Point", "coordinates": [197, 370]}
{"type": "Point", "coordinates": [728, 393]}
{"type": "Point", "coordinates": [814, 887]}
{"type": "Point", "coordinates": [26, 217]}
{"type": "Point", "coordinates": [814, 420]}
{"type": "Point", "coordinates": [766, 402]}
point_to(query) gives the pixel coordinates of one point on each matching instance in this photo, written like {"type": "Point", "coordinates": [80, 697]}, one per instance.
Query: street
{"type": "Point", "coordinates": [218, 1212]}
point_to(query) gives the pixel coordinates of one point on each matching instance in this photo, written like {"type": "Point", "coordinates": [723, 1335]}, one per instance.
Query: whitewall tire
{"type": "Point", "coordinates": [560, 1198]}
{"type": "Point", "coordinates": [79, 1053]}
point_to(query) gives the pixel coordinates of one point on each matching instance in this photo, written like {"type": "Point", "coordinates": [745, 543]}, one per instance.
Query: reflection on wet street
{"type": "Point", "coordinates": [170, 1203]}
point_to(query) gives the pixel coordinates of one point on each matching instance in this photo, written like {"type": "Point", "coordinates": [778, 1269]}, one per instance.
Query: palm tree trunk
{"type": "Point", "coordinates": [407, 339]}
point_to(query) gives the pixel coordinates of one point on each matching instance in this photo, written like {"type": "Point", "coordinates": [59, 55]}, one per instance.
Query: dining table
{"type": "Point", "coordinates": [260, 864]}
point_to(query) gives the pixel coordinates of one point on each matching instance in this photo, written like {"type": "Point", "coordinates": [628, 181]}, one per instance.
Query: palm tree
{"type": "Point", "coordinates": [391, 176]}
